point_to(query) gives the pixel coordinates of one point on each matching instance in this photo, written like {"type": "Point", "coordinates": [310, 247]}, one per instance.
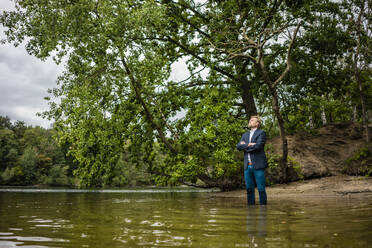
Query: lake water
{"type": "Point", "coordinates": [159, 218]}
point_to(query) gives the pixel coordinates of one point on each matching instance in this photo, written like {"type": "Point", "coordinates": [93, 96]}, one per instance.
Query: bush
{"type": "Point", "coordinates": [360, 164]}
{"type": "Point", "coordinates": [28, 163]}
{"type": "Point", "coordinates": [127, 174]}
{"type": "Point", "coordinates": [57, 176]}
{"type": "Point", "coordinates": [13, 176]}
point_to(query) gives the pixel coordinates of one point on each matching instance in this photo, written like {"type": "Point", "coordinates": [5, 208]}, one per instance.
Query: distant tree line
{"type": "Point", "coordinates": [31, 156]}
{"type": "Point", "coordinates": [298, 64]}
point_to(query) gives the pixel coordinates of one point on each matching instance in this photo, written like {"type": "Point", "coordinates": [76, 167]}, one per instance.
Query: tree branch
{"type": "Point", "coordinates": [192, 74]}
{"type": "Point", "coordinates": [270, 16]}
{"type": "Point", "coordinates": [150, 118]}
{"type": "Point", "coordinates": [206, 186]}
{"type": "Point", "coordinates": [214, 67]}
{"type": "Point", "coordinates": [275, 32]}
{"type": "Point", "coordinates": [194, 26]}
{"type": "Point", "coordinates": [288, 67]}
{"type": "Point", "coordinates": [197, 13]}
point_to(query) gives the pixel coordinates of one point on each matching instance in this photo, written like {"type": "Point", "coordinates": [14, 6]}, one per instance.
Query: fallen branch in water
{"type": "Point", "coordinates": [353, 192]}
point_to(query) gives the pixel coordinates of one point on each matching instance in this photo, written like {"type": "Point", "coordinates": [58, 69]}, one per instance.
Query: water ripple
{"type": "Point", "coordinates": [38, 239]}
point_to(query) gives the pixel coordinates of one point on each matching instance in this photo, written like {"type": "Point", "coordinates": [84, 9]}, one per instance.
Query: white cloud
{"type": "Point", "coordinates": [6, 5]}
{"type": "Point", "coordinates": [24, 81]}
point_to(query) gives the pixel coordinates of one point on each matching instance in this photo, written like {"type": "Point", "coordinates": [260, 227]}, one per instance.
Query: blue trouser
{"type": "Point", "coordinates": [249, 175]}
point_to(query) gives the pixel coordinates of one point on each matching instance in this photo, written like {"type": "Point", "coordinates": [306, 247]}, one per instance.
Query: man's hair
{"type": "Point", "coordinates": [258, 119]}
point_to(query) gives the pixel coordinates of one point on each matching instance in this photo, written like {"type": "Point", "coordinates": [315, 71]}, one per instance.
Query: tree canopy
{"type": "Point", "coordinates": [288, 61]}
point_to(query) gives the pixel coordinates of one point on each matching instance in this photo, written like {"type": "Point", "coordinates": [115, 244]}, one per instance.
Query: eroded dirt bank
{"type": "Point", "coordinates": [324, 152]}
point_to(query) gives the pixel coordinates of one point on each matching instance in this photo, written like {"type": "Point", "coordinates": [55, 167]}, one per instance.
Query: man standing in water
{"type": "Point", "coordinates": [255, 163]}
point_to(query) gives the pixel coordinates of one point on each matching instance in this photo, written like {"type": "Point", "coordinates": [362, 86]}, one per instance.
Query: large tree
{"type": "Point", "coordinates": [116, 92]}
{"type": "Point", "coordinates": [359, 26]}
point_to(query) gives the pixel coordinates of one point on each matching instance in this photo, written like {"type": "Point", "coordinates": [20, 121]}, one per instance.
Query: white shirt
{"type": "Point", "coordinates": [250, 138]}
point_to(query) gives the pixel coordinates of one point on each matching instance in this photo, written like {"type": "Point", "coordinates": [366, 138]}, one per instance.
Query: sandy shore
{"type": "Point", "coordinates": [334, 186]}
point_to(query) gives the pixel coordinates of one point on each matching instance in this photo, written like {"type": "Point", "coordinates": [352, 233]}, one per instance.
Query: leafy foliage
{"type": "Point", "coordinates": [118, 96]}
{"type": "Point", "coordinates": [360, 163]}
{"type": "Point", "coordinates": [36, 159]}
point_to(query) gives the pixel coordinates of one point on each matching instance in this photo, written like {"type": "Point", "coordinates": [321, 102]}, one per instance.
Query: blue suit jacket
{"type": "Point", "coordinates": [257, 151]}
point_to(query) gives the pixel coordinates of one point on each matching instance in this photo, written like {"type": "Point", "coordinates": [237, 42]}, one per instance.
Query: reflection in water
{"type": "Point", "coordinates": [186, 219]}
{"type": "Point", "coordinates": [257, 220]}
{"type": "Point", "coordinates": [39, 239]}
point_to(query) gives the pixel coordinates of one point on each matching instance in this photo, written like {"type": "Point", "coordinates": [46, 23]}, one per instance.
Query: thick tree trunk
{"type": "Point", "coordinates": [276, 109]}
{"type": "Point", "coordinates": [248, 100]}
{"type": "Point", "coordinates": [245, 88]}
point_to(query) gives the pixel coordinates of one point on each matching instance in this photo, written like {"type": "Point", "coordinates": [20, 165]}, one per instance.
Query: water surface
{"type": "Point", "coordinates": [161, 218]}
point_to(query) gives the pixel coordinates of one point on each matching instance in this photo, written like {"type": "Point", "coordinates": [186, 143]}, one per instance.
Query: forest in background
{"type": "Point", "coordinates": [31, 156]}
{"type": "Point", "coordinates": [298, 64]}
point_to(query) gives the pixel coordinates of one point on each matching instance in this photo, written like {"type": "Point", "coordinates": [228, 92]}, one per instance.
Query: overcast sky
{"type": "Point", "coordinates": [24, 80]}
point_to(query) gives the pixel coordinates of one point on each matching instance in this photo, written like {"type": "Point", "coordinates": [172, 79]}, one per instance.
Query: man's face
{"type": "Point", "coordinates": [253, 123]}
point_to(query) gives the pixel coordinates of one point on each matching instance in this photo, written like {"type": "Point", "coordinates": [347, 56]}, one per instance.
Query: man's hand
{"type": "Point", "coordinates": [251, 144]}
{"type": "Point", "coordinates": [242, 142]}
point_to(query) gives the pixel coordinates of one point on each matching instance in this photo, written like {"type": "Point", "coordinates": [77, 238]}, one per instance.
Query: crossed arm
{"type": "Point", "coordinates": [250, 147]}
